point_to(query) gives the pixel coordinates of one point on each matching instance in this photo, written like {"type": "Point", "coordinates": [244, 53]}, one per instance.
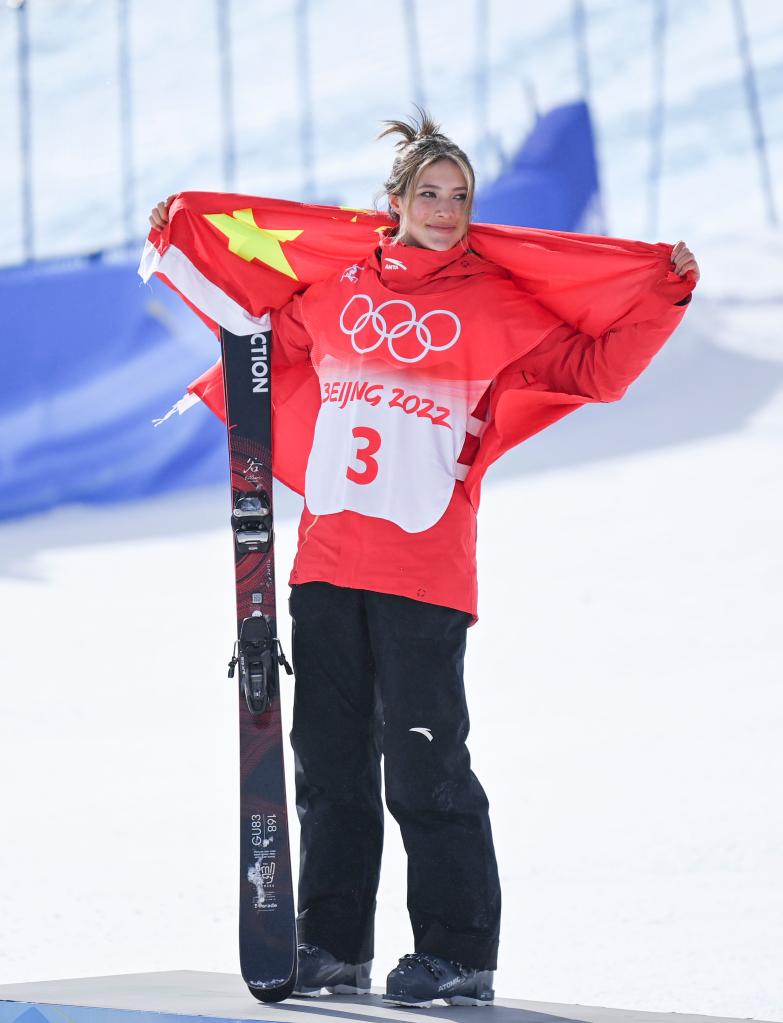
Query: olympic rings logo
{"type": "Point", "coordinates": [376, 318]}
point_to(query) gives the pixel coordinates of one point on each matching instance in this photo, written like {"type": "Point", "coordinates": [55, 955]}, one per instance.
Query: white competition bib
{"type": "Point", "coordinates": [386, 443]}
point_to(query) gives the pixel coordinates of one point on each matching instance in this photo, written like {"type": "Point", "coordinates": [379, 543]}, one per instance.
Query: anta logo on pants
{"type": "Point", "coordinates": [408, 336]}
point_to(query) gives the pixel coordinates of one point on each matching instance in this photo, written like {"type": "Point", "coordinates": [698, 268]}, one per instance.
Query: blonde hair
{"type": "Point", "coordinates": [421, 145]}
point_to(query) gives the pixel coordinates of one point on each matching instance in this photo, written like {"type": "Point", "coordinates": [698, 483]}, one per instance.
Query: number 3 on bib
{"type": "Point", "coordinates": [365, 454]}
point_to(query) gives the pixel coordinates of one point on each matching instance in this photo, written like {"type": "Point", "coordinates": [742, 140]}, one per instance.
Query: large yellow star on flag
{"type": "Point", "coordinates": [249, 241]}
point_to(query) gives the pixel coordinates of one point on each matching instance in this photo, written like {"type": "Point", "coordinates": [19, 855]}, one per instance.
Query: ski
{"type": "Point", "coordinates": [267, 921]}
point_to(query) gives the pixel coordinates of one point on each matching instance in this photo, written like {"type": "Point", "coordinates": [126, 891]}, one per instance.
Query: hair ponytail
{"type": "Point", "coordinates": [412, 130]}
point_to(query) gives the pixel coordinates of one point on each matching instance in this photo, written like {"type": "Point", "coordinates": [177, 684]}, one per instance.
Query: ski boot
{"type": "Point", "coordinates": [316, 969]}
{"type": "Point", "coordinates": [419, 978]}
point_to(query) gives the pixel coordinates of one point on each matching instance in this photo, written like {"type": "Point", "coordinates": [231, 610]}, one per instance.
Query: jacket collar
{"type": "Point", "coordinates": [406, 267]}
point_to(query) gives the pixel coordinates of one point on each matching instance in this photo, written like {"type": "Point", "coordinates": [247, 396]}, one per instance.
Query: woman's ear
{"type": "Point", "coordinates": [394, 202]}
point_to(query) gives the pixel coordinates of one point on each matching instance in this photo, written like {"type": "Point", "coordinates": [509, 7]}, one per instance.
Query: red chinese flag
{"type": "Point", "coordinates": [232, 258]}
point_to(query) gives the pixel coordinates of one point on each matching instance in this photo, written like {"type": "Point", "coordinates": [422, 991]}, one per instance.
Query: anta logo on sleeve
{"type": "Point", "coordinates": [408, 336]}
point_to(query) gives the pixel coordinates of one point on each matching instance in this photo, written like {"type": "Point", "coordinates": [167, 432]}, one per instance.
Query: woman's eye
{"type": "Point", "coordinates": [427, 194]}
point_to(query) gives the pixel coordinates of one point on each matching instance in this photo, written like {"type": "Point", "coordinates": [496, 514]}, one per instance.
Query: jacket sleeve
{"type": "Point", "coordinates": [290, 339]}
{"type": "Point", "coordinates": [602, 368]}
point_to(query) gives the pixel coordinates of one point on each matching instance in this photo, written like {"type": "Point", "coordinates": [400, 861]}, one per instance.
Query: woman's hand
{"type": "Point", "coordinates": [159, 215]}
{"type": "Point", "coordinates": [683, 260]}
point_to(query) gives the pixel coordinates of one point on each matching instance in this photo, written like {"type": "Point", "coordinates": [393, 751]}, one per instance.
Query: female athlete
{"type": "Point", "coordinates": [384, 579]}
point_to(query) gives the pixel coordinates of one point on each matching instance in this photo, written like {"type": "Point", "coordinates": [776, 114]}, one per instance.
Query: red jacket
{"type": "Point", "coordinates": [474, 354]}
{"type": "Point", "coordinates": [431, 365]}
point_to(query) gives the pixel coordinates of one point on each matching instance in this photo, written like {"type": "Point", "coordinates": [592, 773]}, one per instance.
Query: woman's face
{"type": "Point", "coordinates": [434, 215]}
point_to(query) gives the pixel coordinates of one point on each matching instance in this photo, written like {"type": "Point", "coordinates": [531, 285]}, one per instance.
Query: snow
{"type": "Point", "coordinates": [624, 678]}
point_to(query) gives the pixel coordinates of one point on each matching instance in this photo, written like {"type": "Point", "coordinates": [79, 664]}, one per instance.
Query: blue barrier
{"type": "Point", "coordinates": [552, 182]}
{"type": "Point", "coordinates": [89, 357]}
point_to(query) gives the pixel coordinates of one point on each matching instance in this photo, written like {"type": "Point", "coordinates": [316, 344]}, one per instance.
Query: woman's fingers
{"type": "Point", "coordinates": [159, 214]}
{"type": "Point", "coordinates": [684, 260]}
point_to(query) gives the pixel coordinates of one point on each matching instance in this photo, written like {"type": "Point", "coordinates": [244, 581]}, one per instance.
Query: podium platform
{"type": "Point", "coordinates": [183, 995]}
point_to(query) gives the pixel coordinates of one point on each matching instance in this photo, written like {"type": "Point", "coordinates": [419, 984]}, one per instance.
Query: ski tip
{"type": "Point", "coordinates": [275, 991]}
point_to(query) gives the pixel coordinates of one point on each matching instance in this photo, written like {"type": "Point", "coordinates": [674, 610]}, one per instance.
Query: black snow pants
{"type": "Point", "coordinates": [378, 673]}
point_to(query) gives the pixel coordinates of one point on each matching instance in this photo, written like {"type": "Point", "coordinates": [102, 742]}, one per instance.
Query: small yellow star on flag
{"type": "Point", "coordinates": [249, 241]}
